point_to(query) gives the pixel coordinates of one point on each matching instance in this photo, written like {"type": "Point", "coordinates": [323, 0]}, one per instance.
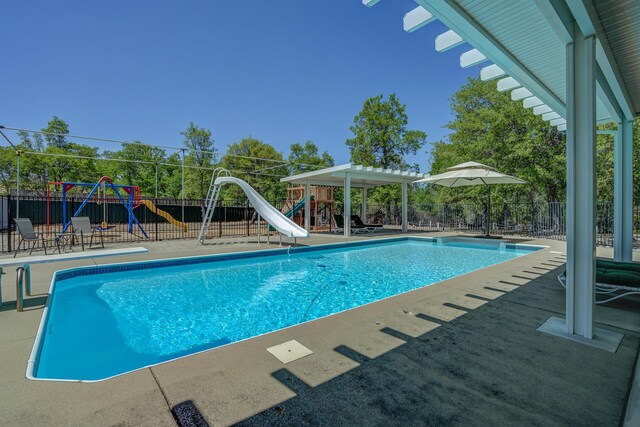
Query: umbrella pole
{"type": "Point", "coordinates": [488, 217]}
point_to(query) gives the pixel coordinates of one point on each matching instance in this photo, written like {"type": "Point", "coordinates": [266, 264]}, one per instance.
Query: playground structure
{"type": "Point", "coordinates": [322, 206]}
{"type": "Point", "coordinates": [131, 199]}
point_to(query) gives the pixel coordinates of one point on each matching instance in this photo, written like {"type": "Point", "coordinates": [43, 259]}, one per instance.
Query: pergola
{"type": "Point", "coordinates": [575, 63]}
{"type": "Point", "coordinates": [353, 176]}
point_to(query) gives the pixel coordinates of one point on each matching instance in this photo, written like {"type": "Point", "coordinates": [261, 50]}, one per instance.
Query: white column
{"type": "Point", "coordinates": [581, 184]}
{"type": "Point", "coordinates": [347, 205]}
{"type": "Point", "coordinates": [405, 225]}
{"type": "Point", "coordinates": [623, 192]}
{"type": "Point", "coordinates": [363, 212]}
{"type": "Point", "coordinates": [307, 206]}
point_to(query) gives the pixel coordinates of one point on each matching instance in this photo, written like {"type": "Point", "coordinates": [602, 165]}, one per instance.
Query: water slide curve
{"type": "Point", "coordinates": [270, 214]}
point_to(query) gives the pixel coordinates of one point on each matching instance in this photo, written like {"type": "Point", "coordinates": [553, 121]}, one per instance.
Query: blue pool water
{"type": "Point", "coordinates": [100, 324]}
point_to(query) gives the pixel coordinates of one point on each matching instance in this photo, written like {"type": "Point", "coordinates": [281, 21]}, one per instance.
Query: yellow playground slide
{"type": "Point", "coordinates": [164, 214]}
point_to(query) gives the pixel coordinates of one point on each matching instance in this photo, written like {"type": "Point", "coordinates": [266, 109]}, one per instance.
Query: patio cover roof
{"type": "Point", "coordinates": [523, 43]}
{"type": "Point", "coordinates": [361, 176]}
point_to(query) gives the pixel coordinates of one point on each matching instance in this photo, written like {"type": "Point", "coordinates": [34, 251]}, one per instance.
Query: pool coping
{"type": "Point", "coordinates": [227, 256]}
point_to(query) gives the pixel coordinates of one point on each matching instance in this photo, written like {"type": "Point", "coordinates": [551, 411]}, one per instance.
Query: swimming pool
{"type": "Point", "coordinates": [107, 320]}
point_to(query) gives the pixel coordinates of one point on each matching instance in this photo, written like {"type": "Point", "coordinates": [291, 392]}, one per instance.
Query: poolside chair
{"type": "Point", "coordinates": [355, 219]}
{"type": "Point", "coordinates": [30, 236]}
{"type": "Point", "coordinates": [82, 228]}
{"type": "Point", "coordinates": [339, 221]}
{"type": "Point", "coordinates": [613, 280]}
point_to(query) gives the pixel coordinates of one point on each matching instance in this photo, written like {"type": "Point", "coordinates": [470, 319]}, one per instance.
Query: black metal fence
{"type": "Point", "coordinates": [544, 220]}
{"type": "Point", "coordinates": [167, 219]}
{"type": "Point", "coordinates": [159, 219]}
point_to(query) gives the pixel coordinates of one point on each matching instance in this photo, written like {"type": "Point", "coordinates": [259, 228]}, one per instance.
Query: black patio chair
{"type": "Point", "coordinates": [31, 237]}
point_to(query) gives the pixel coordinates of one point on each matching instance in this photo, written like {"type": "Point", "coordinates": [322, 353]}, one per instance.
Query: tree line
{"type": "Point", "coordinates": [51, 156]}
{"type": "Point", "coordinates": [486, 126]}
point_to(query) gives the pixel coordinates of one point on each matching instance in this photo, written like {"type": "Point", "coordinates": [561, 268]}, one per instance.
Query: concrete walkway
{"type": "Point", "coordinates": [464, 351]}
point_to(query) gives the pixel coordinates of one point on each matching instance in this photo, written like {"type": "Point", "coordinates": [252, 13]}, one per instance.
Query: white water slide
{"type": "Point", "coordinates": [270, 214]}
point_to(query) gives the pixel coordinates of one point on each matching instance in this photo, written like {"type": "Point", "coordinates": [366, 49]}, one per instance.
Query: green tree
{"type": "Point", "coordinates": [488, 127]}
{"type": "Point", "coordinates": [59, 127]}
{"type": "Point", "coordinates": [381, 138]}
{"type": "Point", "coordinates": [33, 167]}
{"type": "Point", "coordinates": [380, 134]}
{"type": "Point", "coordinates": [141, 173]}
{"type": "Point", "coordinates": [258, 163]}
{"type": "Point", "coordinates": [200, 157]}
{"type": "Point", "coordinates": [305, 158]}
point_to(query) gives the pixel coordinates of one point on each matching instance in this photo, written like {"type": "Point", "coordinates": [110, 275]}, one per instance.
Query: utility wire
{"type": "Point", "coordinates": [5, 137]}
{"type": "Point", "coordinates": [214, 152]}
{"type": "Point", "coordinates": [77, 156]}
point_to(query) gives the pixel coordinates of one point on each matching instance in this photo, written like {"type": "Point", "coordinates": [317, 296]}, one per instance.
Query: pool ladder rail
{"type": "Point", "coordinates": [23, 274]}
{"type": "Point", "coordinates": [210, 202]}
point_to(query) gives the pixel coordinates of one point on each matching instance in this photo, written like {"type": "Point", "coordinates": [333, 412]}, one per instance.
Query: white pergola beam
{"type": "Point", "coordinates": [559, 17]}
{"type": "Point", "coordinates": [550, 116]}
{"type": "Point", "coordinates": [541, 109]}
{"type": "Point", "coordinates": [471, 58]}
{"type": "Point", "coordinates": [416, 19]}
{"type": "Point", "coordinates": [606, 96]}
{"type": "Point", "coordinates": [454, 17]}
{"type": "Point", "coordinates": [587, 19]}
{"type": "Point", "coordinates": [370, 3]}
{"type": "Point", "coordinates": [562, 127]}
{"type": "Point", "coordinates": [491, 72]}
{"type": "Point", "coordinates": [520, 93]}
{"type": "Point", "coordinates": [508, 83]}
{"type": "Point", "coordinates": [534, 101]}
{"type": "Point", "coordinates": [448, 40]}
{"type": "Point", "coordinates": [558, 122]}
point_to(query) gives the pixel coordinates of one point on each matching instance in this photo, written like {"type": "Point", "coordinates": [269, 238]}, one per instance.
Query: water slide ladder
{"type": "Point", "coordinates": [211, 201]}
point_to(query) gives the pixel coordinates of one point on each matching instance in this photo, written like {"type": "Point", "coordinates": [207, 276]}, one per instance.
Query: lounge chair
{"type": "Point", "coordinates": [82, 228]}
{"type": "Point", "coordinates": [613, 280]}
{"type": "Point", "coordinates": [30, 236]}
{"type": "Point", "coordinates": [370, 227]}
{"type": "Point", "coordinates": [339, 221]}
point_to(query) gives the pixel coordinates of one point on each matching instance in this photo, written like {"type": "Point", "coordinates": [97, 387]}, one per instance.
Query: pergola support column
{"type": "Point", "coordinates": [405, 225]}
{"type": "Point", "coordinates": [581, 184]}
{"type": "Point", "coordinates": [307, 206]}
{"type": "Point", "coordinates": [581, 207]}
{"type": "Point", "coordinates": [347, 205]}
{"type": "Point", "coordinates": [363, 211]}
{"type": "Point", "coordinates": [623, 192]}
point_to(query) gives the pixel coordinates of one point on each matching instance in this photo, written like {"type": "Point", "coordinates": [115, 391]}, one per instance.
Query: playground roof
{"type": "Point", "coordinates": [361, 176]}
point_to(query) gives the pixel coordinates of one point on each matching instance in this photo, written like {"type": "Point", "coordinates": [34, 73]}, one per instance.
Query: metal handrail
{"type": "Point", "coordinates": [22, 272]}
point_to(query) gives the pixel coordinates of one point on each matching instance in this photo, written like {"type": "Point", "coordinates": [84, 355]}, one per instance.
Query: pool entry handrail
{"type": "Point", "coordinates": [211, 201]}
{"type": "Point", "coordinates": [23, 273]}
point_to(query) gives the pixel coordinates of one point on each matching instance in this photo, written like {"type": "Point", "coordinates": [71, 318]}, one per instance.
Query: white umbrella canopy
{"type": "Point", "coordinates": [473, 173]}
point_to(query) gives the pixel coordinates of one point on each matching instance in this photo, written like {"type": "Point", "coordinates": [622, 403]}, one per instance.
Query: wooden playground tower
{"type": "Point", "coordinates": [322, 206]}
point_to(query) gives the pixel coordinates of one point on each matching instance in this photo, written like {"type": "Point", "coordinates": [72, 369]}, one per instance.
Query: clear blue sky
{"type": "Point", "coordinates": [282, 71]}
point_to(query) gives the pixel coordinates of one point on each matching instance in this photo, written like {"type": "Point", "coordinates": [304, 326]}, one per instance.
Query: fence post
{"type": "Point", "coordinates": [156, 203]}
{"type": "Point", "coordinates": [533, 212]}
{"type": "Point", "coordinates": [9, 222]}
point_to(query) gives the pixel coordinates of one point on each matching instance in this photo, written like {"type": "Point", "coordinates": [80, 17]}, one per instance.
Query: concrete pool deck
{"type": "Point", "coordinates": [462, 351]}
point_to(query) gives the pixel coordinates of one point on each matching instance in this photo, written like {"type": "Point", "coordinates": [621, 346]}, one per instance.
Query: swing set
{"type": "Point", "coordinates": [130, 200]}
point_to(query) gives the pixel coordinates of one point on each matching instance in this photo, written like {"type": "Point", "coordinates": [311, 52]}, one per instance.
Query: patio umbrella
{"type": "Point", "coordinates": [473, 173]}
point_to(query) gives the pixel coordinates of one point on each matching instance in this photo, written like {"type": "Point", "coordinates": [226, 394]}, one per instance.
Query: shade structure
{"type": "Point", "coordinates": [473, 173]}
